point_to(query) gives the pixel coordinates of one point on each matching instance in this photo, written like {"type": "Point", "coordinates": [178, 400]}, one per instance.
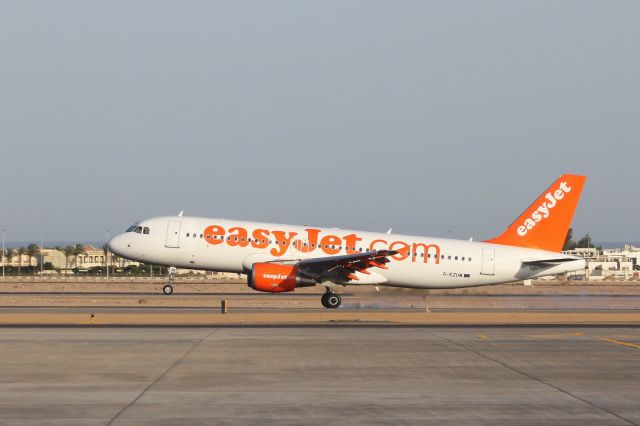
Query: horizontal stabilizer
{"type": "Point", "coordinates": [544, 262]}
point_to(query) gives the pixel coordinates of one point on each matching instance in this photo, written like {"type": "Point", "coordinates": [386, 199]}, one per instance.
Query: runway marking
{"type": "Point", "coordinates": [619, 342]}
{"type": "Point", "coordinates": [171, 367]}
{"type": "Point", "coordinates": [531, 376]}
{"type": "Point", "coordinates": [545, 336]}
{"type": "Point", "coordinates": [483, 336]}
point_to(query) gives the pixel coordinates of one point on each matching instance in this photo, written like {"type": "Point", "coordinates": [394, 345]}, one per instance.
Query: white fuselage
{"type": "Point", "coordinates": [422, 262]}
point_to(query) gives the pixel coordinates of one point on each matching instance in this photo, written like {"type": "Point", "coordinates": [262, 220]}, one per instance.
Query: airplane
{"type": "Point", "coordinates": [281, 258]}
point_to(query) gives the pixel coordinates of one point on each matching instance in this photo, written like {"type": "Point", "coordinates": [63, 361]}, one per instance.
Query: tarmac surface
{"type": "Point", "coordinates": [341, 374]}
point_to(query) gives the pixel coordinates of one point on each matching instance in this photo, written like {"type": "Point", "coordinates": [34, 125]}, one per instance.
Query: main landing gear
{"type": "Point", "coordinates": [171, 275]}
{"type": "Point", "coordinates": [331, 300]}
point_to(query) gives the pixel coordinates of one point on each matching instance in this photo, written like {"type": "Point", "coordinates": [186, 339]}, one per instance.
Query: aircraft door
{"type": "Point", "coordinates": [488, 261]}
{"type": "Point", "coordinates": [173, 235]}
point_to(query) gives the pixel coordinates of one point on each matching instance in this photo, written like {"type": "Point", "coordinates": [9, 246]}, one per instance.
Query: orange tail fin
{"type": "Point", "coordinates": [544, 225]}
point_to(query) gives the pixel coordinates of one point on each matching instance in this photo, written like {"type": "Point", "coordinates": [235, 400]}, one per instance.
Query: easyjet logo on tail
{"type": "Point", "coordinates": [543, 211]}
{"type": "Point", "coordinates": [550, 215]}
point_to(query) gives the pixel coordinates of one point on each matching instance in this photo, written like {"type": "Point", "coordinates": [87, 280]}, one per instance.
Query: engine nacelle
{"type": "Point", "coordinates": [276, 278]}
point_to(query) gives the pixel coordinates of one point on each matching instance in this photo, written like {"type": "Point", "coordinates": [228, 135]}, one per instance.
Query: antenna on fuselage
{"type": "Point", "coordinates": [389, 231]}
{"type": "Point", "coordinates": [181, 213]}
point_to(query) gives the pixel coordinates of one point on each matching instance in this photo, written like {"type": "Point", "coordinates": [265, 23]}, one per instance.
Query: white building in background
{"type": "Point", "coordinates": [621, 263]}
{"type": "Point", "coordinates": [22, 261]}
{"type": "Point", "coordinates": [91, 258]}
{"type": "Point", "coordinates": [95, 257]}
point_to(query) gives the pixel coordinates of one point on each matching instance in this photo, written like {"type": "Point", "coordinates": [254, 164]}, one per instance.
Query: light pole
{"type": "Point", "coordinates": [41, 255]}
{"type": "Point", "coordinates": [107, 255]}
{"type": "Point", "coordinates": [2, 252]}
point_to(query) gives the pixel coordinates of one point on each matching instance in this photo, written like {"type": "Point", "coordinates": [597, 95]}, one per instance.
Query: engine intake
{"type": "Point", "coordinates": [276, 278]}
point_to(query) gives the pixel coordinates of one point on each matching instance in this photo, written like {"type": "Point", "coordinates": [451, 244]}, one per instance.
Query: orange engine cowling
{"type": "Point", "coordinates": [276, 278]}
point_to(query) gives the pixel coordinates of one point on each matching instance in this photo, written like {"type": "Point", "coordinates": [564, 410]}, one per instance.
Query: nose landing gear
{"type": "Point", "coordinates": [168, 288]}
{"type": "Point", "coordinates": [331, 300]}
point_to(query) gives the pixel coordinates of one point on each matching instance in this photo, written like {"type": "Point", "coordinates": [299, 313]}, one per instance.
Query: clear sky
{"type": "Point", "coordinates": [432, 117]}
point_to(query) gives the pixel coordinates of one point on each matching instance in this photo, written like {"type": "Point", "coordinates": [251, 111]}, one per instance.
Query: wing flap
{"type": "Point", "coordinates": [346, 267]}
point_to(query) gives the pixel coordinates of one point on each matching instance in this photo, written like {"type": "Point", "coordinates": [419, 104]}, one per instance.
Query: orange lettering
{"type": "Point", "coordinates": [374, 242]}
{"type": "Point", "coordinates": [283, 242]}
{"type": "Point", "coordinates": [351, 241]}
{"type": "Point", "coordinates": [238, 239]}
{"type": "Point", "coordinates": [329, 241]}
{"type": "Point", "coordinates": [312, 240]}
{"type": "Point", "coordinates": [260, 235]}
{"type": "Point", "coordinates": [402, 248]}
{"type": "Point", "coordinates": [426, 248]}
{"type": "Point", "coordinates": [213, 231]}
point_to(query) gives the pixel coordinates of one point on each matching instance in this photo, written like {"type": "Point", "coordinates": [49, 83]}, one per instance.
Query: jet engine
{"type": "Point", "coordinates": [276, 278]}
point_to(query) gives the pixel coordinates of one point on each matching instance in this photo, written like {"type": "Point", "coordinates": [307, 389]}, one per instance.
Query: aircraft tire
{"type": "Point", "coordinates": [332, 300]}
{"type": "Point", "coordinates": [323, 300]}
{"type": "Point", "coordinates": [167, 289]}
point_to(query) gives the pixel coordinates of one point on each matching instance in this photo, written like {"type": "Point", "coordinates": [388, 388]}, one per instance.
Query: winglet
{"type": "Point", "coordinates": [544, 225]}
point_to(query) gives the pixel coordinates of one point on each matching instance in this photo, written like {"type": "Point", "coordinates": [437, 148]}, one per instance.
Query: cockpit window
{"type": "Point", "coordinates": [131, 228]}
{"type": "Point", "coordinates": [145, 230]}
{"type": "Point", "coordinates": [138, 230]}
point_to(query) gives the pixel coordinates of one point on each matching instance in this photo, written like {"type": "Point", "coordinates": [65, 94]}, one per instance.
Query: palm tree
{"type": "Point", "coordinates": [68, 252]}
{"type": "Point", "coordinates": [105, 250]}
{"type": "Point", "coordinates": [78, 250]}
{"type": "Point", "coordinates": [20, 252]}
{"type": "Point", "coordinates": [32, 251]}
{"type": "Point", "coordinates": [8, 254]}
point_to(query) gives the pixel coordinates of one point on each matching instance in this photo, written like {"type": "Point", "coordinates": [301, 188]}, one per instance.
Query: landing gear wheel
{"type": "Point", "coordinates": [331, 300]}
{"type": "Point", "coordinates": [323, 300]}
{"type": "Point", "coordinates": [171, 274]}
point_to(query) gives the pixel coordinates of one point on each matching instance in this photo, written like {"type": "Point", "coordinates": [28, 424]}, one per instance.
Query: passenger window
{"type": "Point", "coordinates": [469, 259]}
{"type": "Point", "coordinates": [200, 235]}
{"type": "Point", "coordinates": [448, 257]}
{"type": "Point", "coordinates": [456, 257]}
{"type": "Point", "coordinates": [187, 234]}
{"type": "Point", "coordinates": [462, 258]}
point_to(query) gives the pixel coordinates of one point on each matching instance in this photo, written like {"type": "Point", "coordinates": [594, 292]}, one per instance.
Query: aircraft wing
{"type": "Point", "coordinates": [344, 267]}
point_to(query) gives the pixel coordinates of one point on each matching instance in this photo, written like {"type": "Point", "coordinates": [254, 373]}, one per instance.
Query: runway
{"type": "Point", "coordinates": [319, 375]}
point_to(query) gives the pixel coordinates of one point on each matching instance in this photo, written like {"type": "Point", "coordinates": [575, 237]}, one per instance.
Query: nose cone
{"type": "Point", "coordinates": [118, 245]}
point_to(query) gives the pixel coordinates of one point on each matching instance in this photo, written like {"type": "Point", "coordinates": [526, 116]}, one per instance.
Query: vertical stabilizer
{"type": "Point", "coordinates": [544, 225]}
